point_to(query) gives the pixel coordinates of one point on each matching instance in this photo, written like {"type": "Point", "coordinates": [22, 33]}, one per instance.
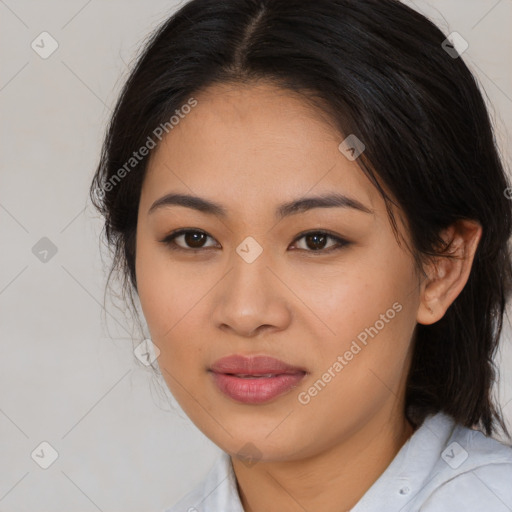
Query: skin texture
{"type": "Point", "coordinates": [252, 148]}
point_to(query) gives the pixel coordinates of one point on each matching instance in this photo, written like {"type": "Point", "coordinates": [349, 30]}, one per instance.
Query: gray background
{"type": "Point", "coordinates": [68, 375]}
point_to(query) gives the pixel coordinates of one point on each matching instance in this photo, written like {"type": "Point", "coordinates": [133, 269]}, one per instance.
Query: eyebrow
{"type": "Point", "coordinates": [334, 200]}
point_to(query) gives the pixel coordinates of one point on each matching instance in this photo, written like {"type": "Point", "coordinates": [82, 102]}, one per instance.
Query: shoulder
{"type": "Point", "coordinates": [474, 473]}
{"type": "Point", "coordinates": [486, 488]}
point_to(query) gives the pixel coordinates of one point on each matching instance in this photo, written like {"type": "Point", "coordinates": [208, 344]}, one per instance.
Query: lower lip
{"type": "Point", "coordinates": [256, 390]}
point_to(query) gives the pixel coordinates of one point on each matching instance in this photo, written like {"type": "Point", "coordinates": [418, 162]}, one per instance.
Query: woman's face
{"type": "Point", "coordinates": [252, 283]}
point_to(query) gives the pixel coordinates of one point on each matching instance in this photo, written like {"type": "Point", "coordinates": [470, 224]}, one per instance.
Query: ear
{"type": "Point", "coordinates": [446, 277]}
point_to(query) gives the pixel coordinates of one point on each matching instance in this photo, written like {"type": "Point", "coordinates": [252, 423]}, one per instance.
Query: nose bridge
{"type": "Point", "coordinates": [251, 295]}
{"type": "Point", "coordinates": [249, 274]}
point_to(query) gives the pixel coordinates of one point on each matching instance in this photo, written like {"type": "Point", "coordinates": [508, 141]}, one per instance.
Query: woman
{"type": "Point", "coordinates": [307, 199]}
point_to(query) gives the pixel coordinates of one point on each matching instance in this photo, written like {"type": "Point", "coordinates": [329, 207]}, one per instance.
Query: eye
{"type": "Point", "coordinates": [315, 241]}
{"type": "Point", "coordinates": [193, 238]}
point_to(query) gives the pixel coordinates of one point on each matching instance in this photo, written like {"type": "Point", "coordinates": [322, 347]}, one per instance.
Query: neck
{"type": "Point", "coordinates": [330, 481]}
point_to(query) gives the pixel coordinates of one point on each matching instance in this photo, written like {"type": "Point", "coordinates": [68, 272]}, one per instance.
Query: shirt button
{"type": "Point", "coordinates": [404, 490]}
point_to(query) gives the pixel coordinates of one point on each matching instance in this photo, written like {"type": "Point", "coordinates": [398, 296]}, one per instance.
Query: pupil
{"type": "Point", "coordinates": [316, 238]}
{"type": "Point", "coordinates": [192, 238]}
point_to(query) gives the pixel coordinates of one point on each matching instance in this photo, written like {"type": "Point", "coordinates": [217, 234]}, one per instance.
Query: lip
{"type": "Point", "coordinates": [253, 365]}
{"type": "Point", "coordinates": [255, 389]}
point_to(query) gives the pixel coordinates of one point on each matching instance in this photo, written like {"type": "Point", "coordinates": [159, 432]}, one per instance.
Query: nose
{"type": "Point", "coordinates": [251, 299]}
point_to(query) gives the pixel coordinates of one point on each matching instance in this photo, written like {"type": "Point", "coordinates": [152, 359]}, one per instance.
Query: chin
{"type": "Point", "coordinates": [258, 444]}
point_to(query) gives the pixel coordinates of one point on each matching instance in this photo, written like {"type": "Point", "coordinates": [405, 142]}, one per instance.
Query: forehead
{"type": "Point", "coordinates": [250, 145]}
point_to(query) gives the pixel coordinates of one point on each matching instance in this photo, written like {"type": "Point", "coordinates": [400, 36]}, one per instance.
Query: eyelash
{"type": "Point", "coordinates": [170, 243]}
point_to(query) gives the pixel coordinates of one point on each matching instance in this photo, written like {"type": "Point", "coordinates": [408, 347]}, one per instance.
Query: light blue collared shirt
{"type": "Point", "coordinates": [443, 467]}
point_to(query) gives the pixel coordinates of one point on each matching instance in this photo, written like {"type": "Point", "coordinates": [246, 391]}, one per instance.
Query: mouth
{"type": "Point", "coordinates": [256, 389]}
{"type": "Point", "coordinates": [255, 380]}
{"type": "Point", "coordinates": [251, 366]}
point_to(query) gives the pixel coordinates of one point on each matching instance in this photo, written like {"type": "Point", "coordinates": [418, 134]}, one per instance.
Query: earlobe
{"type": "Point", "coordinates": [447, 276]}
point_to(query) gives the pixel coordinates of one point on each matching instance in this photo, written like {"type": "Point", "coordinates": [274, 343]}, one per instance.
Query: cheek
{"type": "Point", "coordinates": [171, 301]}
{"type": "Point", "coordinates": [166, 293]}
{"type": "Point", "coordinates": [165, 302]}
{"type": "Point", "coordinates": [370, 311]}
{"type": "Point", "coordinates": [354, 299]}
{"type": "Point", "coordinates": [373, 351]}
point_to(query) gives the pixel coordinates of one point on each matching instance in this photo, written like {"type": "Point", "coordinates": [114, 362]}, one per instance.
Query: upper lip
{"type": "Point", "coordinates": [253, 365]}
